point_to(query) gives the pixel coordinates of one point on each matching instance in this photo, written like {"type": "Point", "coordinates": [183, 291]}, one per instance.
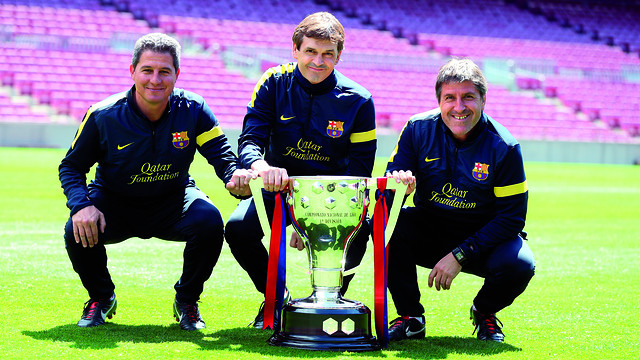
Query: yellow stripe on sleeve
{"type": "Point", "coordinates": [363, 136]}
{"type": "Point", "coordinates": [84, 121]}
{"type": "Point", "coordinates": [206, 136]}
{"type": "Point", "coordinates": [284, 68]}
{"type": "Point", "coordinates": [395, 150]}
{"type": "Point", "coordinates": [515, 189]}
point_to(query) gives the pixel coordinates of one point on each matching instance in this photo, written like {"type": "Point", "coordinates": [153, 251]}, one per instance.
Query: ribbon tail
{"type": "Point", "coordinates": [380, 267]}
{"type": "Point", "coordinates": [276, 270]}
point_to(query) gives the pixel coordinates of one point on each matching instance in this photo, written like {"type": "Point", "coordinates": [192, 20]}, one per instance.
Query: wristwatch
{"type": "Point", "coordinates": [459, 255]}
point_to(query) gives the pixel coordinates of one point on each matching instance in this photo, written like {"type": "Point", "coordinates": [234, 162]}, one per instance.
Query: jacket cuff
{"type": "Point", "coordinates": [468, 252]}
{"type": "Point", "coordinates": [79, 205]}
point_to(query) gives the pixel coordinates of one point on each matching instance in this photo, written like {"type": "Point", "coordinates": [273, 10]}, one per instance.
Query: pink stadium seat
{"type": "Point", "coordinates": [390, 67]}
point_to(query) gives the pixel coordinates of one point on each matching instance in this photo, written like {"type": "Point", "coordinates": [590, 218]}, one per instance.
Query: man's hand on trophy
{"type": "Point", "coordinates": [405, 177]}
{"type": "Point", "coordinates": [239, 183]}
{"type": "Point", "coordinates": [274, 178]}
{"type": "Point", "coordinates": [296, 241]}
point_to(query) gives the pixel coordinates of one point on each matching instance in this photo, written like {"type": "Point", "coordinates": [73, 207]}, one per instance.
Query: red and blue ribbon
{"type": "Point", "coordinates": [277, 267]}
{"type": "Point", "coordinates": [380, 255]}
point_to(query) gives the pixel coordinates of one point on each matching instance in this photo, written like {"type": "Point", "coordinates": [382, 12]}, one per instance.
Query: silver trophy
{"type": "Point", "coordinates": [326, 211]}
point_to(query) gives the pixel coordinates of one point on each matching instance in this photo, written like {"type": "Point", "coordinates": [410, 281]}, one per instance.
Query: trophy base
{"type": "Point", "coordinates": [327, 329]}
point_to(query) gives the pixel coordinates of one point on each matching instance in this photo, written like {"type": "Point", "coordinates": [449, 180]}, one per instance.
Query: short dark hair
{"type": "Point", "coordinates": [458, 70]}
{"type": "Point", "coordinates": [320, 25]}
{"type": "Point", "coordinates": [159, 43]}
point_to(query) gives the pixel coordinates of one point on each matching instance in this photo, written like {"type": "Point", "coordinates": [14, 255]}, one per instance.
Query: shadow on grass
{"type": "Point", "coordinates": [442, 347]}
{"type": "Point", "coordinates": [250, 340]}
{"type": "Point", "coordinates": [110, 335]}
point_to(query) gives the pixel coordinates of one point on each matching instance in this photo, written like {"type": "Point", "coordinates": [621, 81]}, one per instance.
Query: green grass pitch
{"type": "Point", "coordinates": [583, 303]}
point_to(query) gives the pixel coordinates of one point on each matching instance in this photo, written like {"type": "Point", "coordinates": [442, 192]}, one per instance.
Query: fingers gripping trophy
{"type": "Point", "coordinates": [327, 212]}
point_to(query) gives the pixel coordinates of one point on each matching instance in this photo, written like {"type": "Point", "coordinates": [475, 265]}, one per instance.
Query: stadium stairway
{"type": "Point", "coordinates": [18, 108]}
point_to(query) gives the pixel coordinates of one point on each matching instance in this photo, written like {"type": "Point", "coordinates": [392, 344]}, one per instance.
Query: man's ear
{"type": "Point", "coordinates": [131, 70]}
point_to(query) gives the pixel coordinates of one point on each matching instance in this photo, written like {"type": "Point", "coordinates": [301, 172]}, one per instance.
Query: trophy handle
{"type": "Point", "coordinates": [256, 185]}
{"type": "Point", "coordinates": [401, 189]}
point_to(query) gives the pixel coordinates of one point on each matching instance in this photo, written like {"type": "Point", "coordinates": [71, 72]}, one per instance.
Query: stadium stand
{"type": "Point", "coordinates": [550, 79]}
{"type": "Point", "coordinates": [613, 23]}
{"type": "Point", "coordinates": [12, 110]}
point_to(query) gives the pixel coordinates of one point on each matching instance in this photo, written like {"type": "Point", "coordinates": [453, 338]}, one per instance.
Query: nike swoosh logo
{"type": "Point", "coordinates": [103, 313]}
{"type": "Point", "coordinates": [411, 333]}
{"type": "Point", "coordinates": [285, 119]}
{"type": "Point", "coordinates": [430, 160]}
{"type": "Point", "coordinates": [123, 146]}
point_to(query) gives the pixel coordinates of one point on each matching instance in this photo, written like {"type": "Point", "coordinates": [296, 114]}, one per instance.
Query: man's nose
{"type": "Point", "coordinates": [155, 78]}
{"type": "Point", "coordinates": [459, 105]}
{"type": "Point", "coordinates": [317, 60]}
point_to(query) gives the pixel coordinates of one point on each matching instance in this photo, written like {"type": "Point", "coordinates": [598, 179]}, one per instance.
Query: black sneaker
{"type": "Point", "coordinates": [258, 322]}
{"type": "Point", "coordinates": [188, 316]}
{"type": "Point", "coordinates": [97, 311]}
{"type": "Point", "coordinates": [405, 327]}
{"type": "Point", "coordinates": [487, 326]}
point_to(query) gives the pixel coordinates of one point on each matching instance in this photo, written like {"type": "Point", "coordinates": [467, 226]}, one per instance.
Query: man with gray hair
{"type": "Point", "coordinates": [470, 206]}
{"type": "Point", "coordinates": [158, 43]}
{"type": "Point", "coordinates": [144, 141]}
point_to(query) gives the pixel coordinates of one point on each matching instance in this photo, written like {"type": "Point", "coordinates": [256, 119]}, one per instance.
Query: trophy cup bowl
{"type": "Point", "coordinates": [327, 212]}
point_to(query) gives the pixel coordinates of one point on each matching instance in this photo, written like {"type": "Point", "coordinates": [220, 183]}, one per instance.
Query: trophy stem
{"type": "Point", "coordinates": [327, 295]}
{"type": "Point", "coordinates": [326, 278]}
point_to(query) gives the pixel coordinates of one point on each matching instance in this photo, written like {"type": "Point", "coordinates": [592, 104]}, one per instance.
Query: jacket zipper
{"type": "Point", "coordinates": [455, 162]}
{"type": "Point", "coordinates": [153, 137]}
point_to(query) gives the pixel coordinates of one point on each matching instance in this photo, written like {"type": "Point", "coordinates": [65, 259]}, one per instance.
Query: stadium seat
{"type": "Point", "coordinates": [560, 77]}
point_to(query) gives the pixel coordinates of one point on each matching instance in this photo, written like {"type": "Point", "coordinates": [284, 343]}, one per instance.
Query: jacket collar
{"type": "Point", "coordinates": [131, 99]}
{"type": "Point", "coordinates": [323, 87]}
{"type": "Point", "coordinates": [473, 134]}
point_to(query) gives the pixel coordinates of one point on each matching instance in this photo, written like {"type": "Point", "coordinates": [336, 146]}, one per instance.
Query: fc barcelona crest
{"type": "Point", "coordinates": [480, 171]}
{"type": "Point", "coordinates": [180, 140]}
{"type": "Point", "coordinates": [335, 128]}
